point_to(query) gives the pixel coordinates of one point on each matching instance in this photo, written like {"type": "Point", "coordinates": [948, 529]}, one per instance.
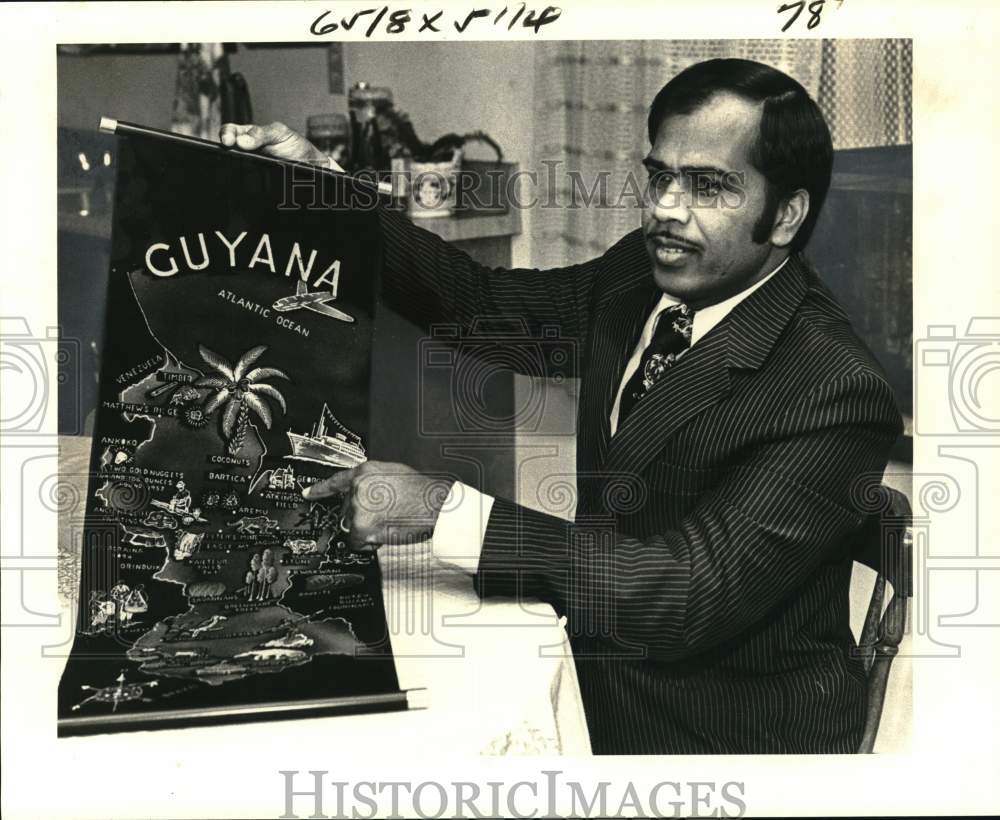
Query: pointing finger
{"type": "Point", "coordinates": [337, 483]}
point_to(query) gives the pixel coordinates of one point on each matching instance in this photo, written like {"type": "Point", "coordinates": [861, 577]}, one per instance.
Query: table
{"type": "Point", "coordinates": [499, 677]}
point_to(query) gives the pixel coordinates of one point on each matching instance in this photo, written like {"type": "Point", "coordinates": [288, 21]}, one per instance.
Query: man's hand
{"type": "Point", "coordinates": [276, 140]}
{"type": "Point", "coordinates": [384, 503]}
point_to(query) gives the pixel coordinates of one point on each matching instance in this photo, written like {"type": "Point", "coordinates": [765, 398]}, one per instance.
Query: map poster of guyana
{"type": "Point", "coordinates": [235, 372]}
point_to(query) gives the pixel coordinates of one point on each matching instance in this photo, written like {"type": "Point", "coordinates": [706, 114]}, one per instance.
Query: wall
{"type": "Point", "coordinates": [138, 88]}
{"type": "Point", "coordinates": [444, 87]}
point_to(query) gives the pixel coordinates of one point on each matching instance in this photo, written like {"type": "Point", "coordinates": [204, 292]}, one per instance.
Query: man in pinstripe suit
{"type": "Point", "coordinates": [728, 418]}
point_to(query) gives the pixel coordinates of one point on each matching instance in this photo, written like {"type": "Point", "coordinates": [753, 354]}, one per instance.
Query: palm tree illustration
{"type": "Point", "coordinates": [239, 392]}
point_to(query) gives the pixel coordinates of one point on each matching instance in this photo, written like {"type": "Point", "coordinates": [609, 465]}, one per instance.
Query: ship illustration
{"type": "Point", "coordinates": [329, 443]}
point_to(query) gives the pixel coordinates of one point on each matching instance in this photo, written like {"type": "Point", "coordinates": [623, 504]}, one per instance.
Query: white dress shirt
{"type": "Point", "coordinates": [461, 526]}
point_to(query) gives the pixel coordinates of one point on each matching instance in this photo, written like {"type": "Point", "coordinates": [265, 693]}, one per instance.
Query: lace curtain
{"type": "Point", "coordinates": [865, 92]}
{"type": "Point", "coordinates": [590, 120]}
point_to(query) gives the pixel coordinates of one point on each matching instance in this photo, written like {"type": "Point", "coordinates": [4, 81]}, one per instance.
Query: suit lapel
{"type": "Point", "coordinates": [615, 334]}
{"type": "Point", "coordinates": [701, 377]}
{"type": "Point", "coordinates": [698, 380]}
{"type": "Point", "coordinates": [755, 324]}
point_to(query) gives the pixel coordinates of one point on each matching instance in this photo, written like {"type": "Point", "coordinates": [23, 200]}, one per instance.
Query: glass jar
{"type": "Point", "coordinates": [367, 102]}
{"type": "Point", "coordinates": [331, 133]}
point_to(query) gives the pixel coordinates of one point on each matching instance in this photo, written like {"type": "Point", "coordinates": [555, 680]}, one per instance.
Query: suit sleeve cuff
{"type": "Point", "coordinates": [461, 527]}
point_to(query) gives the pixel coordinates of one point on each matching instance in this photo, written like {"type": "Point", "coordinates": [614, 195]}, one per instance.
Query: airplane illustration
{"type": "Point", "coordinates": [315, 301]}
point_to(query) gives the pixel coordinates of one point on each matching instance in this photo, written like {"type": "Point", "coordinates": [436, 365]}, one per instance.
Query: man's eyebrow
{"type": "Point", "coordinates": [656, 165]}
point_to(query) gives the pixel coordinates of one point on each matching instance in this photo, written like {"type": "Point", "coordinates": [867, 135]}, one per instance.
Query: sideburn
{"type": "Point", "coordinates": [765, 222]}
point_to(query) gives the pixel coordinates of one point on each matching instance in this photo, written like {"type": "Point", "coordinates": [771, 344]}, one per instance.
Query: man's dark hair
{"type": "Point", "coordinates": [793, 149]}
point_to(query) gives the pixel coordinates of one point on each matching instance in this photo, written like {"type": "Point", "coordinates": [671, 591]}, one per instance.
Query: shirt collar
{"type": "Point", "coordinates": [708, 317]}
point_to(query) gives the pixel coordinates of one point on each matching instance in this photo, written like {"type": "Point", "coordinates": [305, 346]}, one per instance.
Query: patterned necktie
{"type": "Point", "coordinates": [671, 337]}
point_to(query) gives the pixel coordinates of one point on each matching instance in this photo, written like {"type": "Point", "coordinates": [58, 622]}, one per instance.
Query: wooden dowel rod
{"type": "Point", "coordinates": [109, 125]}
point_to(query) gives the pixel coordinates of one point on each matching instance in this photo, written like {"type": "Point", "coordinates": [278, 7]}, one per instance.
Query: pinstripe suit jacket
{"type": "Point", "coordinates": [705, 578]}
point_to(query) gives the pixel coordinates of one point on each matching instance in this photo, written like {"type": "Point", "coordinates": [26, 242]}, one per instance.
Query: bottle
{"type": "Point", "coordinates": [331, 133]}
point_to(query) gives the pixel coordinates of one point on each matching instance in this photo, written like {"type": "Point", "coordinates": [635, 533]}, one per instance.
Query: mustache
{"type": "Point", "coordinates": [667, 236]}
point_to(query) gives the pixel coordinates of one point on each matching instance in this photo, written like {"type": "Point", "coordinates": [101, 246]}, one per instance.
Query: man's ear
{"type": "Point", "coordinates": [791, 214]}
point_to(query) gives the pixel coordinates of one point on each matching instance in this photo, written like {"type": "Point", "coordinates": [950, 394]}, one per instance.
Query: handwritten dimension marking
{"type": "Point", "coordinates": [397, 21]}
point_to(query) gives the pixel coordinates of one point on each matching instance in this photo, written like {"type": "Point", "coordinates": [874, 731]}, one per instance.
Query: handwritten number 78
{"type": "Point", "coordinates": [815, 9]}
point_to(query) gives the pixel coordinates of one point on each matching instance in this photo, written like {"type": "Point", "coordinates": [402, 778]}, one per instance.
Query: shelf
{"type": "Point", "coordinates": [460, 229]}
{"type": "Point", "coordinates": [874, 183]}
